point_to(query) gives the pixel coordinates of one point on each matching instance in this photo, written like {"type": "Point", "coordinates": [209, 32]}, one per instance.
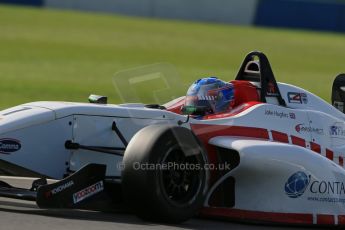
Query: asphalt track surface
{"type": "Point", "coordinates": [25, 215]}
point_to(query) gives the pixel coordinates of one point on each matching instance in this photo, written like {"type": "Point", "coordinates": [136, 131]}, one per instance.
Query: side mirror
{"type": "Point", "coordinates": [96, 99]}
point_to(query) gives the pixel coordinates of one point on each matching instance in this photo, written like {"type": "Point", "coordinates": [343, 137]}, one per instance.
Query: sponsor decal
{"type": "Point", "coordinates": [297, 184]}
{"type": "Point", "coordinates": [302, 128]}
{"type": "Point", "coordinates": [336, 131]}
{"type": "Point", "coordinates": [297, 98]}
{"type": "Point", "coordinates": [292, 115]}
{"type": "Point", "coordinates": [8, 146]}
{"type": "Point", "coordinates": [271, 89]}
{"type": "Point", "coordinates": [318, 190]}
{"type": "Point", "coordinates": [206, 97]}
{"type": "Point", "coordinates": [280, 114]}
{"type": "Point", "coordinates": [62, 187]}
{"type": "Point", "coordinates": [88, 192]}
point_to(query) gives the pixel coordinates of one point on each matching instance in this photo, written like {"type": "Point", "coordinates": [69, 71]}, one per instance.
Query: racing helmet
{"type": "Point", "coordinates": [209, 96]}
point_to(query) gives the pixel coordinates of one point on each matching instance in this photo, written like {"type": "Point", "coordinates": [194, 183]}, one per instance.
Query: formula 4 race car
{"type": "Point", "coordinates": [277, 156]}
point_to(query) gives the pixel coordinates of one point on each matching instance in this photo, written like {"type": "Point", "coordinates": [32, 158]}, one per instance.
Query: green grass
{"type": "Point", "coordinates": [64, 55]}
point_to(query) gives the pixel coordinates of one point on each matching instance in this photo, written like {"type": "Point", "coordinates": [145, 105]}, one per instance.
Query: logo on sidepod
{"type": "Point", "coordinates": [317, 190]}
{"type": "Point", "coordinates": [8, 146]}
{"type": "Point", "coordinates": [300, 128]}
{"type": "Point", "coordinates": [297, 98]}
{"type": "Point", "coordinates": [297, 184]}
{"type": "Point", "coordinates": [280, 114]}
{"type": "Point", "coordinates": [336, 131]}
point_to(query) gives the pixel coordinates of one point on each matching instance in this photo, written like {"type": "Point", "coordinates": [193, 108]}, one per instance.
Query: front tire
{"type": "Point", "coordinates": [163, 177]}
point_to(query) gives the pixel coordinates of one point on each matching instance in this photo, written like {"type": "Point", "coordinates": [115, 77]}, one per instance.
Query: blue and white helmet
{"type": "Point", "coordinates": [211, 94]}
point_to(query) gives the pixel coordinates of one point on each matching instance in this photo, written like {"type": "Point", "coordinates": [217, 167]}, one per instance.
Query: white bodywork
{"type": "Point", "coordinates": [43, 128]}
{"type": "Point", "coordinates": [265, 165]}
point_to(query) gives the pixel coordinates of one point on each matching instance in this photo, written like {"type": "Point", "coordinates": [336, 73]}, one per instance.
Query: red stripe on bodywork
{"type": "Point", "coordinates": [206, 132]}
{"type": "Point", "coordinates": [281, 137]}
{"type": "Point", "coordinates": [325, 219]}
{"type": "Point", "coordinates": [315, 147]}
{"type": "Point", "coordinates": [176, 108]}
{"type": "Point", "coordinates": [271, 217]}
{"type": "Point", "coordinates": [210, 131]}
{"type": "Point", "coordinates": [235, 111]}
{"type": "Point", "coordinates": [298, 141]}
{"type": "Point", "coordinates": [341, 161]}
{"type": "Point", "coordinates": [341, 220]}
{"type": "Point", "coordinates": [329, 154]}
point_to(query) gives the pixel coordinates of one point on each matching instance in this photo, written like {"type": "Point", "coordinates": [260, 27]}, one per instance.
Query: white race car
{"type": "Point", "coordinates": [276, 156]}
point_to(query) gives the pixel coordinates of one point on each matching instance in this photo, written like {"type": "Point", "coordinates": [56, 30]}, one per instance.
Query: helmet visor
{"type": "Point", "coordinates": [213, 98]}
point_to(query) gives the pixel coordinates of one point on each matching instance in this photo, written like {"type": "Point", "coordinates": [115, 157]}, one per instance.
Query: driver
{"type": "Point", "coordinates": [209, 96]}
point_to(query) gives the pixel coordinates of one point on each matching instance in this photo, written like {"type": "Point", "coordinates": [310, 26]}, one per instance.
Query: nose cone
{"type": "Point", "coordinates": [23, 116]}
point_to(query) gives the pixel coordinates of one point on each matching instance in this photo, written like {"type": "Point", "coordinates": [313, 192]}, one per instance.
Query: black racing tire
{"type": "Point", "coordinates": [173, 194]}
